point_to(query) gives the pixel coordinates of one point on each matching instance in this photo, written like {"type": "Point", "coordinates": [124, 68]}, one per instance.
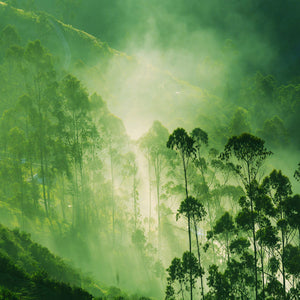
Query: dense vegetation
{"type": "Point", "coordinates": [29, 270]}
{"type": "Point", "coordinates": [204, 213]}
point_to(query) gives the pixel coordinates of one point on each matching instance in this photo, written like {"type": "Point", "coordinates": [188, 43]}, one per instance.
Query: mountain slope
{"type": "Point", "coordinates": [130, 85]}
{"type": "Point", "coordinates": [31, 271]}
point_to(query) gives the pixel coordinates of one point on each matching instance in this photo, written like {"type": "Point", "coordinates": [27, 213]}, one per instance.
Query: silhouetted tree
{"type": "Point", "coordinates": [248, 154]}
{"type": "Point", "coordinates": [182, 143]}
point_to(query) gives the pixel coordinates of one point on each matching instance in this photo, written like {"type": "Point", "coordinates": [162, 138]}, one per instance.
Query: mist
{"type": "Point", "coordinates": [96, 94]}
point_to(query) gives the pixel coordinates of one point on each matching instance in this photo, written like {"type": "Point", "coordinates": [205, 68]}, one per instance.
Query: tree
{"type": "Point", "coordinates": [192, 208]}
{"type": "Point", "coordinates": [16, 148]}
{"type": "Point", "coordinates": [131, 170]}
{"type": "Point", "coordinates": [154, 144]}
{"type": "Point", "coordinates": [248, 154]}
{"type": "Point", "coordinates": [182, 143]}
{"type": "Point", "coordinates": [77, 130]}
{"type": "Point", "coordinates": [179, 271]}
{"type": "Point", "coordinates": [220, 287]}
{"type": "Point", "coordinates": [225, 227]}
{"type": "Point", "coordinates": [278, 188]}
{"type": "Point", "coordinates": [41, 87]}
{"type": "Point", "coordinates": [176, 273]}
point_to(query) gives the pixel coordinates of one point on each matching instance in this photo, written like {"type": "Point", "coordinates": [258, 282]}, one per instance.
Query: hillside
{"type": "Point", "coordinates": [142, 85]}
{"type": "Point", "coordinates": [31, 271]}
{"type": "Point", "coordinates": [102, 69]}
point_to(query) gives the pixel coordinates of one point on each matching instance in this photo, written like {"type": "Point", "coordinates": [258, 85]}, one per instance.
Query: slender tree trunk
{"type": "Point", "coordinates": [181, 289]}
{"type": "Point", "coordinates": [43, 182]}
{"type": "Point", "coordinates": [262, 270]}
{"type": "Point", "coordinates": [149, 216]}
{"type": "Point", "coordinates": [255, 250]}
{"type": "Point", "coordinates": [76, 192]}
{"type": "Point", "coordinates": [112, 192]}
{"type": "Point", "coordinates": [47, 186]}
{"type": "Point", "coordinates": [32, 184]}
{"type": "Point", "coordinates": [253, 230]}
{"type": "Point", "coordinates": [157, 179]}
{"type": "Point", "coordinates": [83, 198]}
{"type": "Point", "coordinates": [208, 208]}
{"type": "Point", "coordinates": [211, 226]}
{"type": "Point", "coordinates": [21, 193]}
{"type": "Point", "coordinates": [189, 225]}
{"type": "Point", "coordinates": [134, 201]}
{"type": "Point", "coordinates": [199, 260]}
{"type": "Point", "coordinates": [63, 197]}
{"type": "Point", "coordinates": [283, 264]}
{"type": "Point", "coordinates": [41, 141]}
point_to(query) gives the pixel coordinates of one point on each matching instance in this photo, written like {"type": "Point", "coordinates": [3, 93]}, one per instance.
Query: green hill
{"type": "Point", "coordinates": [30, 271]}
{"type": "Point", "coordinates": [123, 81]}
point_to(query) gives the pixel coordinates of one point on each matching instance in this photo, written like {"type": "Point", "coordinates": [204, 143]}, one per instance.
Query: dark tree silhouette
{"type": "Point", "coordinates": [248, 154]}
{"type": "Point", "coordinates": [182, 143]}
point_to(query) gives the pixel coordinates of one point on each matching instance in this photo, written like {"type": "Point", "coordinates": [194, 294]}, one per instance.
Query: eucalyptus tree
{"type": "Point", "coordinates": [77, 131]}
{"type": "Point", "coordinates": [247, 153]}
{"type": "Point", "coordinates": [225, 227]}
{"type": "Point", "coordinates": [179, 271]}
{"type": "Point", "coordinates": [192, 208]}
{"type": "Point", "coordinates": [131, 170]}
{"type": "Point", "coordinates": [200, 138]}
{"type": "Point", "coordinates": [16, 147]}
{"type": "Point", "coordinates": [40, 81]}
{"type": "Point", "coordinates": [292, 213]}
{"type": "Point", "coordinates": [175, 272]}
{"type": "Point", "coordinates": [113, 137]}
{"type": "Point", "coordinates": [153, 143]}
{"type": "Point", "coordinates": [266, 233]}
{"type": "Point", "coordinates": [183, 144]}
{"type": "Point", "coordinates": [278, 188]}
{"type": "Point", "coordinates": [205, 190]}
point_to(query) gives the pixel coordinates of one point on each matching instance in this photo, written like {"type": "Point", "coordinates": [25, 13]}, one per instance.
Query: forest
{"type": "Point", "coordinates": [149, 150]}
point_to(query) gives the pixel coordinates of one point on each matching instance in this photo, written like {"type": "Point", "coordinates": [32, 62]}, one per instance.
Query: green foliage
{"type": "Point", "coordinates": [224, 224]}
{"type": "Point", "coordinates": [181, 142]}
{"type": "Point", "coordinates": [220, 287]}
{"type": "Point", "coordinates": [247, 149]}
{"type": "Point", "coordinates": [191, 207]}
{"type": "Point", "coordinates": [179, 272]}
{"type": "Point", "coordinates": [292, 259]}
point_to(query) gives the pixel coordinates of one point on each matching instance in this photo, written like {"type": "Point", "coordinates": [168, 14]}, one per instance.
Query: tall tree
{"type": "Point", "coordinates": [41, 85]}
{"type": "Point", "coordinates": [183, 144]}
{"type": "Point", "coordinates": [226, 228]}
{"type": "Point", "coordinates": [154, 144]}
{"type": "Point", "coordinates": [77, 131]}
{"type": "Point", "coordinates": [248, 154]}
{"type": "Point", "coordinates": [278, 188]}
{"type": "Point", "coordinates": [192, 208]}
{"type": "Point", "coordinates": [131, 170]}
